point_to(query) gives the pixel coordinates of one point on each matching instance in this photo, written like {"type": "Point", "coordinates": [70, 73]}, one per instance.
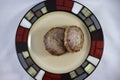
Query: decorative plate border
{"type": "Point", "coordinates": [80, 11]}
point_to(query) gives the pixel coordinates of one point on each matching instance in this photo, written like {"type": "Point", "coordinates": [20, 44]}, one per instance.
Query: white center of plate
{"type": "Point", "coordinates": [48, 62]}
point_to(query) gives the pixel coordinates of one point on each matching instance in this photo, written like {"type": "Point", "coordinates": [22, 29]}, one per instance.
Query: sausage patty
{"type": "Point", "coordinates": [54, 41]}
{"type": "Point", "coordinates": [73, 39]}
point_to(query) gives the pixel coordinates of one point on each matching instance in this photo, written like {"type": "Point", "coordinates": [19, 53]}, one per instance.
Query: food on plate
{"type": "Point", "coordinates": [54, 41]}
{"type": "Point", "coordinates": [73, 38]}
{"type": "Point", "coordinates": [60, 40]}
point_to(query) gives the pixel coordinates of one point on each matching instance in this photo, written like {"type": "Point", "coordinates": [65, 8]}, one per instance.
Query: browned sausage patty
{"type": "Point", "coordinates": [73, 39]}
{"type": "Point", "coordinates": [54, 41]}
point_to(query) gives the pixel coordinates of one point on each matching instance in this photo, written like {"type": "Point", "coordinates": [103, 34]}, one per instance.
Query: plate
{"type": "Point", "coordinates": [41, 65]}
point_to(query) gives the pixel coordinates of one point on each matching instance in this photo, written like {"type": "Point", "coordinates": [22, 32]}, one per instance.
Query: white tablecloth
{"type": "Point", "coordinates": [107, 12]}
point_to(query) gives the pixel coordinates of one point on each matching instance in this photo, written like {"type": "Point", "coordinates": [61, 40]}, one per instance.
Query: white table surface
{"type": "Point", "coordinates": [107, 12]}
